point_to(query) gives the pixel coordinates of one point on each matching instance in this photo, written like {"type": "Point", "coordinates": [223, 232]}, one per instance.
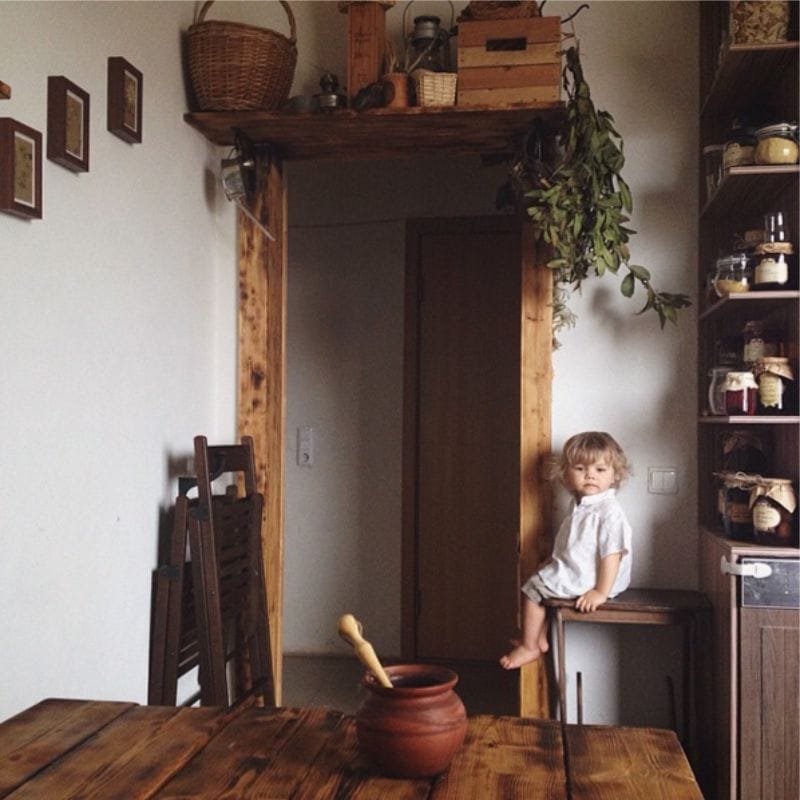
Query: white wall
{"type": "Point", "coordinates": [117, 337]}
{"type": "Point", "coordinates": [614, 371]}
{"type": "Point", "coordinates": [118, 332]}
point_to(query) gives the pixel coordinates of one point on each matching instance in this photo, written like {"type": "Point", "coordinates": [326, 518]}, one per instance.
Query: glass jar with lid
{"type": "Point", "coordinates": [760, 339]}
{"type": "Point", "coordinates": [733, 274]}
{"type": "Point", "coordinates": [773, 505]}
{"type": "Point", "coordinates": [734, 505]}
{"type": "Point", "coordinates": [716, 390]}
{"type": "Point", "coordinates": [740, 394]}
{"type": "Point", "coordinates": [776, 144]}
{"type": "Point", "coordinates": [776, 386]}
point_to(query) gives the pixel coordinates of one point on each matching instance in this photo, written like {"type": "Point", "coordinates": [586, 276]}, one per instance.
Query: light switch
{"type": "Point", "coordinates": [662, 480]}
{"type": "Point", "coordinates": [305, 447]}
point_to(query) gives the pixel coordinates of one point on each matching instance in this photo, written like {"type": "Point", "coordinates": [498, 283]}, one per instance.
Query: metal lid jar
{"type": "Point", "coordinates": [777, 144]}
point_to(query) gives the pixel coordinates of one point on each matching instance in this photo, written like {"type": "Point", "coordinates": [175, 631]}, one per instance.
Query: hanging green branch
{"type": "Point", "coordinates": [580, 206]}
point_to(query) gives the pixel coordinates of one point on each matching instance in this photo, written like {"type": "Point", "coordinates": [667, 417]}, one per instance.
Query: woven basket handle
{"type": "Point", "coordinates": [292, 30]}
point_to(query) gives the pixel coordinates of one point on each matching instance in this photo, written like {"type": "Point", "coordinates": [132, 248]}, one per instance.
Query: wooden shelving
{"type": "Point", "coordinates": [752, 302]}
{"type": "Point", "coordinates": [380, 133]}
{"type": "Point", "coordinates": [746, 189]}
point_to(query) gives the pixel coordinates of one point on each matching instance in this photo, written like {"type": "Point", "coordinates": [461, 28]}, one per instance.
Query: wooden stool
{"type": "Point", "coordinates": [642, 607]}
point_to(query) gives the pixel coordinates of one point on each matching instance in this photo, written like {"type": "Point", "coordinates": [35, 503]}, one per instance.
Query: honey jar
{"type": "Point", "coordinates": [776, 144]}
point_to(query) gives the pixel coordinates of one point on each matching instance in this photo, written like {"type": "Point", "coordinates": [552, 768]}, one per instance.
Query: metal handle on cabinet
{"type": "Point", "coordinates": [755, 570]}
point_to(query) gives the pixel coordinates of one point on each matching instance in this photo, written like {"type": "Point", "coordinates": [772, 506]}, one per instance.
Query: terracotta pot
{"type": "Point", "coordinates": [414, 729]}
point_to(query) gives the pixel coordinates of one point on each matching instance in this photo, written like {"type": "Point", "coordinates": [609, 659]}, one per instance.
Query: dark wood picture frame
{"type": "Point", "coordinates": [67, 124]}
{"type": "Point", "coordinates": [20, 169]}
{"type": "Point", "coordinates": [125, 85]}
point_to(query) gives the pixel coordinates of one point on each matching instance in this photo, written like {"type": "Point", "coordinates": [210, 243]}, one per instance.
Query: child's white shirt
{"type": "Point", "coordinates": [595, 528]}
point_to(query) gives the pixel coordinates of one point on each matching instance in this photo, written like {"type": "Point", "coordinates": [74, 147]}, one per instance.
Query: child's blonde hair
{"type": "Point", "coordinates": [588, 447]}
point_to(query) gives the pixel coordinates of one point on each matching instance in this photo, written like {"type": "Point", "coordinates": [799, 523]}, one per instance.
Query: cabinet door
{"type": "Point", "coordinates": [769, 710]}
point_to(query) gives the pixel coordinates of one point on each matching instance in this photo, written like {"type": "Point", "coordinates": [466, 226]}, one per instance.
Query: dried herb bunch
{"type": "Point", "coordinates": [580, 205]}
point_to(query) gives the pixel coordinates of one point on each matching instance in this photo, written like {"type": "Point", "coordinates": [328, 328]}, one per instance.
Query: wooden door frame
{"type": "Point", "coordinates": [535, 427]}
{"type": "Point", "coordinates": [262, 402]}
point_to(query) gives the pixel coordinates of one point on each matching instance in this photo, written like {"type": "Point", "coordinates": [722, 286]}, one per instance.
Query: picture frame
{"type": "Point", "coordinates": [20, 169]}
{"type": "Point", "coordinates": [125, 84]}
{"type": "Point", "coordinates": [67, 124]}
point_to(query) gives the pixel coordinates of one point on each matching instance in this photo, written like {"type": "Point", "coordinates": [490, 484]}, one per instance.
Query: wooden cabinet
{"type": "Point", "coordinates": [754, 719]}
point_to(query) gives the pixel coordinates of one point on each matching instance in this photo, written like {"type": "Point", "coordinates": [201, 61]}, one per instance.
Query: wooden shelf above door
{"type": "Point", "coordinates": [381, 133]}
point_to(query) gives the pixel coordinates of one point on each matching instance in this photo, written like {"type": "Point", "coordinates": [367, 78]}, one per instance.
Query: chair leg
{"type": "Point", "coordinates": [579, 693]}
{"type": "Point", "coordinates": [562, 671]}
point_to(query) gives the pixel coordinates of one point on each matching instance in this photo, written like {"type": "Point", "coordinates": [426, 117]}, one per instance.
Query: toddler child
{"type": "Point", "coordinates": [591, 558]}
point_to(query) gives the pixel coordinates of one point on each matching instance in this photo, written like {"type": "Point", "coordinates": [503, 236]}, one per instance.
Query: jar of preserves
{"type": "Point", "coordinates": [776, 144]}
{"type": "Point", "coordinates": [737, 516]}
{"type": "Point", "coordinates": [775, 267]}
{"type": "Point", "coordinates": [733, 275]}
{"type": "Point", "coordinates": [739, 152]}
{"type": "Point", "coordinates": [775, 386]}
{"type": "Point", "coordinates": [716, 390]}
{"type": "Point", "coordinates": [773, 504]}
{"type": "Point", "coordinates": [740, 394]}
{"type": "Point", "coordinates": [759, 340]}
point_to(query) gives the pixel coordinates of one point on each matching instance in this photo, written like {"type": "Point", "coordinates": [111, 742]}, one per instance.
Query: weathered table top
{"type": "Point", "coordinates": [93, 749]}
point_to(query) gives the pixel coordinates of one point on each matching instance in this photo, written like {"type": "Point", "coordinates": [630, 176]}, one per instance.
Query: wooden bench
{"type": "Point", "coordinates": [687, 609]}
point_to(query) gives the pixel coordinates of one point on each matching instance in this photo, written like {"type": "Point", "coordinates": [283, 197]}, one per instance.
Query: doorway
{"type": "Point", "coordinates": [461, 441]}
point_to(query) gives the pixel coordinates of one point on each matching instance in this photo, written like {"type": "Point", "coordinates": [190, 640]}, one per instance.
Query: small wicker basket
{"type": "Point", "coordinates": [238, 67]}
{"type": "Point", "coordinates": [435, 88]}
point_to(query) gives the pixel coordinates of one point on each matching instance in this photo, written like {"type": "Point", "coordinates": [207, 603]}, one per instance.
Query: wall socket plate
{"type": "Point", "coordinates": [662, 480]}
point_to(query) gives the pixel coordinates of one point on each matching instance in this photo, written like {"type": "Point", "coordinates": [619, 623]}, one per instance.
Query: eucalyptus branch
{"type": "Point", "coordinates": [581, 205]}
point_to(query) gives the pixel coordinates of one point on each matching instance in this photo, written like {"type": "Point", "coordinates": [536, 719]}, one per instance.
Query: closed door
{"type": "Point", "coordinates": [463, 453]}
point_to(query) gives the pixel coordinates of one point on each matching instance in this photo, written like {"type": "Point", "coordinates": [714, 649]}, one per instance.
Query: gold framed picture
{"type": "Point", "coordinates": [67, 124]}
{"type": "Point", "coordinates": [124, 100]}
{"type": "Point", "coordinates": [20, 169]}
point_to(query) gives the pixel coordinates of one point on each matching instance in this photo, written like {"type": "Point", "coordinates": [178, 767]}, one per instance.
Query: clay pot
{"type": "Point", "coordinates": [414, 729]}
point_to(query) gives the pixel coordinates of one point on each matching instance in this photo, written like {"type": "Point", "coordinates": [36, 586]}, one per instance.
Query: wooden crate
{"type": "Point", "coordinates": [507, 61]}
{"type": "Point", "coordinates": [366, 37]}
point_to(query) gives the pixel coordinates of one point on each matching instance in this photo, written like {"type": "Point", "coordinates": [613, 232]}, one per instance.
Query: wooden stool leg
{"type": "Point", "coordinates": [579, 695]}
{"type": "Point", "coordinates": [562, 660]}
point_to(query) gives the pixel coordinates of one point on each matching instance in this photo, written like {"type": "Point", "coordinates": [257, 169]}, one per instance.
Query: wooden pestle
{"type": "Point", "coordinates": [350, 629]}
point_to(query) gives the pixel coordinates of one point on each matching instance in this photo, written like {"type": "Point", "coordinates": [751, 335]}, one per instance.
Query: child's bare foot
{"type": "Point", "coordinates": [522, 655]}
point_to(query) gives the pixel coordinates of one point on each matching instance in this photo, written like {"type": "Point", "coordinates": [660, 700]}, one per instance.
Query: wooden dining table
{"type": "Point", "coordinates": [101, 749]}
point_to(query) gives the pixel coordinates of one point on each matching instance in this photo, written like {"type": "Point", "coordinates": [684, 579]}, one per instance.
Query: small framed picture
{"type": "Point", "coordinates": [67, 124]}
{"type": "Point", "coordinates": [20, 169]}
{"type": "Point", "coordinates": [124, 100]}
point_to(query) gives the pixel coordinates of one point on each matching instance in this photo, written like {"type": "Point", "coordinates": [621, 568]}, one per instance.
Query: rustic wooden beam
{"type": "Point", "coordinates": [536, 379]}
{"type": "Point", "coordinates": [262, 363]}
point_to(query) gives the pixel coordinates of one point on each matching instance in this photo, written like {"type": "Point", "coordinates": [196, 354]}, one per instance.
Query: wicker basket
{"type": "Point", "coordinates": [435, 88]}
{"type": "Point", "coordinates": [237, 67]}
{"type": "Point", "coordinates": [500, 10]}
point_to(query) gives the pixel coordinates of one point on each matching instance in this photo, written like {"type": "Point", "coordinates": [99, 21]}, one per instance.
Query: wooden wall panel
{"type": "Point", "coordinates": [262, 362]}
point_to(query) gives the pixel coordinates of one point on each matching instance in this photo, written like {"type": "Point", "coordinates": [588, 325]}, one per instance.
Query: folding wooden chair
{"type": "Point", "coordinates": [211, 611]}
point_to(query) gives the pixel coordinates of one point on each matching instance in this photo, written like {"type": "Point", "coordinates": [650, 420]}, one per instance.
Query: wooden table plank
{"type": "Point", "coordinates": [628, 764]}
{"type": "Point", "coordinates": [508, 757]}
{"type": "Point", "coordinates": [340, 771]}
{"type": "Point", "coordinates": [43, 733]}
{"type": "Point", "coordinates": [139, 751]}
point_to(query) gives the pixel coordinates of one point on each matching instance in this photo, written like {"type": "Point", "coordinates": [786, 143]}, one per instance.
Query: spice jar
{"type": "Point", "coordinates": [773, 505]}
{"type": "Point", "coordinates": [760, 340]}
{"type": "Point", "coordinates": [733, 275]}
{"type": "Point", "coordinates": [740, 394]}
{"type": "Point", "coordinates": [776, 144]}
{"type": "Point", "coordinates": [775, 267]}
{"type": "Point", "coordinates": [775, 384]}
